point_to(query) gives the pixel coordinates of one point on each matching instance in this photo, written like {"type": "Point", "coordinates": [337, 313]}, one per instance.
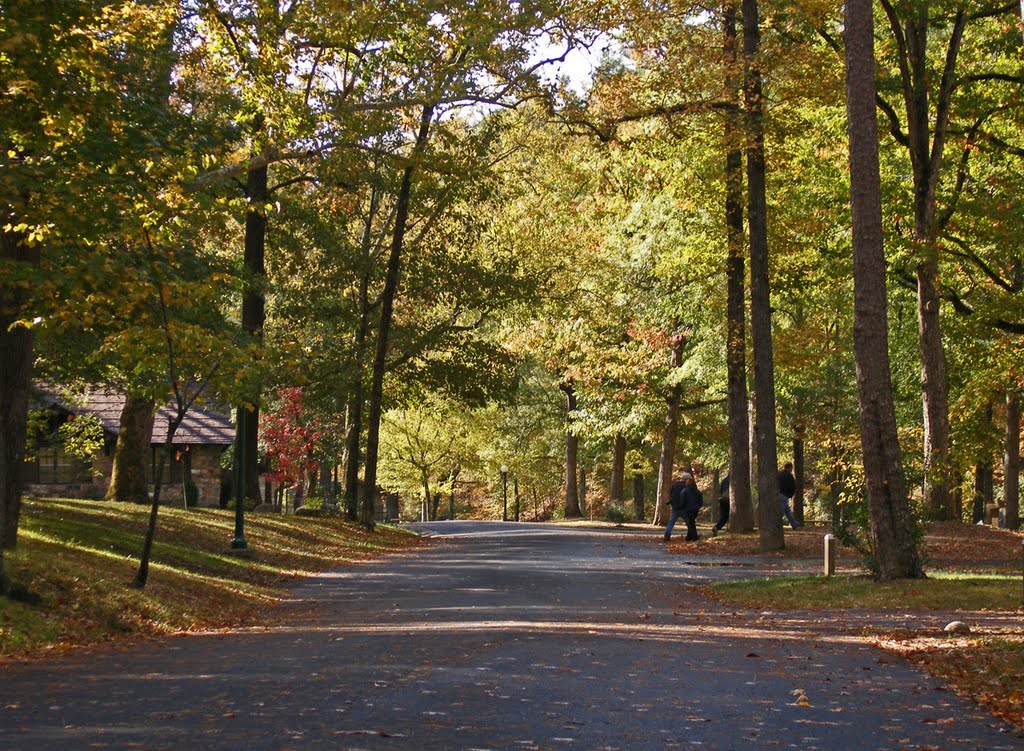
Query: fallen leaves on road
{"type": "Point", "coordinates": [987, 669]}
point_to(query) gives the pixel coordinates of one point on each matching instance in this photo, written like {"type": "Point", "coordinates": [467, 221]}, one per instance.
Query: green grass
{"type": "Point", "coordinates": [81, 557]}
{"type": "Point", "coordinates": [940, 591]}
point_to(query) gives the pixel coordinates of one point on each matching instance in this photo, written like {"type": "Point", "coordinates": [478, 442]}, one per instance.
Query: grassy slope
{"type": "Point", "coordinates": [81, 557]}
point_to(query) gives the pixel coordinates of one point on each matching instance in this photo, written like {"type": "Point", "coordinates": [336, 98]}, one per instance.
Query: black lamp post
{"type": "Point", "coordinates": [504, 492]}
{"type": "Point", "coordinates": [239, 542]}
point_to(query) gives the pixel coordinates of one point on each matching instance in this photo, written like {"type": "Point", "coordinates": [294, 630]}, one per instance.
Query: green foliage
{"type": "Point", "coordinates": [38, 430]}
{"type": "Point", "coordinates": [191, 491]}
{"type": "Point", "coordinates": [83, 436]}
{"type": "Point", "coordinates": [616, 514]}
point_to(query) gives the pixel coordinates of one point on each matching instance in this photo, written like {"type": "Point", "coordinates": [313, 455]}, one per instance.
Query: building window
{"type": "Point", "coordinates": [172, 465]}
{"type": "Point", "coordinates": [52, 466]}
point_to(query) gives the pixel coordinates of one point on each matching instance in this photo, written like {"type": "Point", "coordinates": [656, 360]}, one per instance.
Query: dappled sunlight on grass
{"type": "Point", "coordinates": [81, 558]}
{"type": "Point", "coordinates": [941, 591]}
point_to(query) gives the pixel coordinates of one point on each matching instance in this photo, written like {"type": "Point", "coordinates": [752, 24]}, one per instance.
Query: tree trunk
{"type": "Point", "coordinates": [752, 454]}
{"type": "Point", "coordinates": [983, 473]}
{"type": "Point", "coordinates": [934, 392]}
{"type": "Point", "coordinates": [1011, 461]}
{"type": "Point", "coordinates": [583, 490]}
{"type": "Point", "coordinates": [425, 484]}
{"type": "Point", "coordinates": [616, 492]}
{"type": "Point", "coordinates": [326, 486]}
{"type": "Point", "coordinates": [978, 510]}
{"type": "Point", "coordinates": [147, 546]}
{"type": "Point", "coordinates": [355, 404]}
{"type": "Point", "coordinates": [835, 484]}
{"type": "Point", "coordinates": [129, 479]}
{"type": "Point", "coordinates": [798, 475]}
{"type": "Point", "coordinates": [892, 525]}
{"type": "Point", "coordinates": [387, 308]}
{"type": "Point", "coordinates": [313, 484]}
{"type": "Point", "coordinates": [741, 512]}
{"type": "Point", "coordinates": [958, 496]}
{"type": "Point", "coordinates": [16, 347]}
{"type": "Point", "coordinates": [925, 142]}
{"type": "Point", "coordinates": [667, 457]}
{"type": "Point", "coordinates": [355, 409]}
{"type": "Point", "coordinates": [638, 497]}
{"type": "Point", "coordinates": [572, 498]}
{"type": "Point", "coordinates": [253, 314]}
{"type": "Point", "coordinates": [771, 535]}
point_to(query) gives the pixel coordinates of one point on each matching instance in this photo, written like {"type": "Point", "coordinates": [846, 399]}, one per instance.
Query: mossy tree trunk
{"type": "Point", "coordinates": [129, 479]}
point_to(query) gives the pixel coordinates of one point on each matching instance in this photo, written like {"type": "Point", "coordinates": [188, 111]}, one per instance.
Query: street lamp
{"type": "Point", "coordinates": [504, 492]}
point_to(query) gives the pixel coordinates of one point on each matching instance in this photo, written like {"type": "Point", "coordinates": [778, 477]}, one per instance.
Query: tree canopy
{"type": "Point", "coordinates": [423, 254]}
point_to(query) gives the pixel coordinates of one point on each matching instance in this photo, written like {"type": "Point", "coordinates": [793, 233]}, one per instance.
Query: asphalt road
{"type": "Point", "coordinates": [499, 636]}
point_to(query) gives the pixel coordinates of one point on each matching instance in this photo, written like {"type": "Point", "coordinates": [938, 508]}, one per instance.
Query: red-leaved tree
{"type": "Point", "coordinates": [290, 436]}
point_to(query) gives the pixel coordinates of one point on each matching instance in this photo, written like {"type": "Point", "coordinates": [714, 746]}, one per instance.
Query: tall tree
{"type": "Point", "coordinates": [572, 449]}
{"type": "Point", "coordinates": [935, 92]}
{"type": "Point", "coordinates": [770, 521]}
{"type": "Point", "coordinates": [1011, 460]}
{"type": "Point", "coordinates": [387, 303]}
{"type": "Point", "coordinates": [618, 472]}
{"type": "Point", "coordinates": [741, 516]}
{"type": "Point", "coordinates": [669, 436]}
{"type": "Point", "coordinates": [257, 195]}
{"type": "Point", "coordinates": [892, 524]}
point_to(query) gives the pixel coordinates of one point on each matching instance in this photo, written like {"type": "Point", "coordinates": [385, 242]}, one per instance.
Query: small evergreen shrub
{"type": "Point", "coordinates": [616, 514]}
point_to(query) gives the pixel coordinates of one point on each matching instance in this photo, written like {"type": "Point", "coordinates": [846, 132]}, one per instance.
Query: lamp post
{"type": "Point", "coordinates": [239, 542]}
{"type": "Point", "coordinates": [504, 492]}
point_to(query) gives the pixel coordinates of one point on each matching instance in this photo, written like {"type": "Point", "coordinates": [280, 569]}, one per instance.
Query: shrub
{"type": "Point", "coordinates": [191, 494]}
{"type": "Point", "coordinates": [616, 514]}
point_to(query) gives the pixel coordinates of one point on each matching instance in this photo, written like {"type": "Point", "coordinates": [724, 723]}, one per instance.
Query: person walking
{"type": "Point", "coordinates": [675, 502]}
{"type": "Point", "coordinates": [686, 501]}
{"type": "Point", "coordinates": [693, 500]}
{"type": "Point", "coordinates": [787, 489]}
{"type": "Point", "coordinates": [723, 506]}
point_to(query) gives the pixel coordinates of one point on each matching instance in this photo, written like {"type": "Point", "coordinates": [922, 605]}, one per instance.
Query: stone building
{"type": "Point", "coordinates": [199, 443]}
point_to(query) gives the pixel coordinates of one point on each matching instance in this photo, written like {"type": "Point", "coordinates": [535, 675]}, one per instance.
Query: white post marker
{"type": "Point", "coordinates": [830, 555]}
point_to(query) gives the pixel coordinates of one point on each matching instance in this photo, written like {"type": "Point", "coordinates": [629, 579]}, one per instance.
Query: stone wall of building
{"type": "Point", "coordinates": [102, 469]}
{"type": "Point", "coordinates": [206, 473]}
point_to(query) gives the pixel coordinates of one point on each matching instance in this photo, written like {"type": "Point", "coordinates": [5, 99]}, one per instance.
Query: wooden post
{"type": "Point", "coordinates": [830, 555]}
{"type": "Point", "coordinates": [992, 512]}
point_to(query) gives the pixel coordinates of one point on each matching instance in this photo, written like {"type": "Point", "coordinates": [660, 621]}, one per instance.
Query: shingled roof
{"type": "Point", "coordinates": [202, 426]}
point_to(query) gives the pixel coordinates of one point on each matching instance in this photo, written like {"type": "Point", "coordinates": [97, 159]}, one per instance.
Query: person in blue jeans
{"type": "Point", "coordinates": [787, 489]}
{"type": "Point", "coordinates": [686, 500]}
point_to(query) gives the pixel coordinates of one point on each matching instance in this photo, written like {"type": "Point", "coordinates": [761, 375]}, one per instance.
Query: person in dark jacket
{"type": "Point", "coordinates": [723, 506]}
{"type": "Point", "coordinates": [787, 489]}
{"type": "Point", "coordinates": [675, 503]}
{"type": "Point", "coordinates": [686, 500]}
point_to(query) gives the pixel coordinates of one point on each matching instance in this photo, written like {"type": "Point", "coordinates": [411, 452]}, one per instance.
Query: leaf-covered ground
{"type": "Point", "coordinates": [80, 558]}
{"type": "Point", "coordinates": [986, 665]}
{"type": "Point", "coordinates": [946, 545]}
